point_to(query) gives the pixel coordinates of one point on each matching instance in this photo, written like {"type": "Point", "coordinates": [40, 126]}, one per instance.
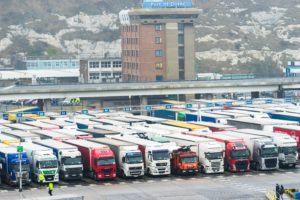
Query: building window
{"type": "Point", "coordinates": [158, 53]}
{"type": "Point", "coordinates": [105, 74]}
{"type": "Point", "coordinates": [158, 65]}
{"type": "Point", "coordinates": [105, 64]}
{"type": "Point", "coordinates": [117, 64]}
{"type": "Point", "coordinates": [158, 27]}
{"type": "Point", "coordinates": [181, 52]}
{"type": "Point", "coordinates": [94, 64]}
{"type": "Point", "coordinates": [94, 76]}
{"type": "Point", "coordinates": [180, 39]}
{"type": "Point", "coordinates": [158, 40]}
{"type": "Point", "coordinates": [181, 27]}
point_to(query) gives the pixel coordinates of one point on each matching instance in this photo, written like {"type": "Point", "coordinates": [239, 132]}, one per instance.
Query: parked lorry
{"type": "Point", "coordinates": [291, 130]}
{"type": "Point", "coordinates": [45, 134]}
{"type": "Point", "coordinates": [23, 136]}
{"type": "Point", "coordinates": [172, 129]}
{"type": "Point", "coordinates": [210, 153]}
{"type": "Point", "coordinates": [98, 160]}
{"type": "Point", "coordinates": [73, 133]}
{"type": "Point", "coordinates": [237, 154]}
{"type": "Point", "coordinates": [42, 161]}
{"type": "Point", "coordinates": [10, 166]}
{"type": "Point", "coordinates": [128, 157]}
{"type": "Point", "coordinates": [41, 125]}
{"type": "Point", "coordinates": [5, 139]}
{"type": "Point", "coordinates": [263, 152]}
{"type": "Point", "coordinates": [258, 123]}
{"type": "Point", "coordinates": [68, 156]}
{"type": "Point", "coordinates": [96, 133]}
{"type": "Point", "coordinates": [61, 124]}
{"type": "Point", "coordinates": [184, 161]}
{"type": "Point", "coordinates": [287, 146]}
{"type": "Point", "coordinates": [155, 155]}
{"type": "Point", "coordinates": [215, 127]}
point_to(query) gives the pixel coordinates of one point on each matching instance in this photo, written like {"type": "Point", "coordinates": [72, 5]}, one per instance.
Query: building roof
{"type": "Point", "coordinates": [29, 74]}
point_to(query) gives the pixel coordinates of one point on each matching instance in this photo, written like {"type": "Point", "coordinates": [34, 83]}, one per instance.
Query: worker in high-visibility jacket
{"type": "Point", "coordinates": [50, 188]}
{"type": "Point", "coordinates": [41, 178]}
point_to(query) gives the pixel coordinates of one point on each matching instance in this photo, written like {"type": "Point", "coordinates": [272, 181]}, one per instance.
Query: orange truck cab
{"type": "Point", "coordinates": [184, 161]}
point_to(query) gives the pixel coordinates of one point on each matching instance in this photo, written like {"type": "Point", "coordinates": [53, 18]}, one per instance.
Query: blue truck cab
{"type": "Point", "coordinates": [9, 159]}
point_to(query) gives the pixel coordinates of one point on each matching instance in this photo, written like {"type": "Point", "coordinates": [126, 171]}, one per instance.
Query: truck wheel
{"type": "Point", "coordinates": [123, 174]}
{"type": "Point", "coordinates": [94, 176]}
{"type": "Point", "coordinates": [257, 166]}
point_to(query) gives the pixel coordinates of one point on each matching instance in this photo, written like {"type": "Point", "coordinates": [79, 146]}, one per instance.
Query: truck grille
{"type": "Point", "coordinates": [241, 165]}
{"type": "Point", "coordinates": [74, 170]}
{"type": "Point", "coordinates": [135, 168]}
{"type": "Point", "coordinates": [215, 166]}
{"type": "Point", "coordinates": [271, 163]}
{"type": "Point", "coordinates": [290, 158]}
{"type": "Point", "coordinates": [49, 177]}
{"type": "Point", "coordinates": [107, 171]}
{"type": "Point", "coordinates": [161, 164]}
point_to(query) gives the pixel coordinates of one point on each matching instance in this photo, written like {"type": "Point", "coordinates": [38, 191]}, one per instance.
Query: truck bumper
{"type": "Point", "coordinates": [102, 176]}
{"type": "Point", "coordinates": [73, 176]}
{"type": "Point", "coordinates": [189, 171]}
{"type": "Point", "coordinates": [160, 171]}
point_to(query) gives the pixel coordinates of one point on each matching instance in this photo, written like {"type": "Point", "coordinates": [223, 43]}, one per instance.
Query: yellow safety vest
{"type": "Point", "coordinates": [42, 177]}
{"type": "Point", "coordinates": [50, 186]}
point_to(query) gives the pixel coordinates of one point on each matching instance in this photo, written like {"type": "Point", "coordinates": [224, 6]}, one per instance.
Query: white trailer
{"type": "Point", "coordinates": [287, 146]}
{"type": "Point", "coordinates": [173, 129]}
{"type": "Point", "coordinates": [263, 152]}
{"type": "Point", "coordinates": [41, 125]}
{"type": "Point", "coordinates": [45, 134]}
{"type": "Point", "coordinates": [22, 127]}
{"type": "Point", "coordinates": [105, 121]}
{"type": "Point", "coordinates": [68, 156]}
{"type": "Point", "coordinates": [21, 135]}
{"type": "Point", "coordinates": [156, 155]}
{"type": "Point", "coordinates": [73, 133]}
{"type": "Point", "coordinates": [258, 123]}
{"type": "Point", "coordinates": [128, 156]}
{"type": "Point", "coordinates": [42, 161]}
{"type": "Point", "coordinates": [61, 124]}
{"type": "Point", "coordinates": [210, 152]}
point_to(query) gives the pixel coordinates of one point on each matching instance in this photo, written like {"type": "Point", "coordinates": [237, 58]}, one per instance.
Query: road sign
{"type": "Point", "coordinates": [209, 105]}
{"type": "Point", "coordinates": [19, 115]}
{"type": "Point", "coordinates": [106, 110]}
{"type": "Point", "coordinates": [41, 113]}
{"type": "Point", "coordinates": [169, 106]}
{"type": "Point", "coordinates": [189, 105]}
{"type": "Point", "coordinates": [148, 108]}
{"type": "Point", "coordinates": [63, 112]}
{"type": "Point", "coordinates": [5, 116]}
{"type": "Point", "coordinates": [249, 102]}
{"type": "Point", "coordinates": [288, 100]}
{"type": "Point", "coordinates": [84, 112]}
{"type": "Point", "coordinates": [127, 109]}
{"type": "Point", "coordinates": [269, 101]}
{"type": "Point", "coordinates": [20, 149]}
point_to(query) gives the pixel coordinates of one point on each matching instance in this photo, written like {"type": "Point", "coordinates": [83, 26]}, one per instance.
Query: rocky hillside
{"type": "Point", "coordinates": [236, 36]}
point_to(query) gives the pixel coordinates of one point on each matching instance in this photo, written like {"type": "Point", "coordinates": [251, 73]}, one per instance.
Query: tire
{"type": "Point", "coordinates": [94, 176]}
{"type": "Point", "coordinates": [122, 174]}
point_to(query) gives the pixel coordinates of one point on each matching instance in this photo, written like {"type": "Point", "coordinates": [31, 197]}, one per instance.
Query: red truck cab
{"type": "Point", "coordinates": [237, 154]}
{"type": "Point", "coordinates": [98, 160]}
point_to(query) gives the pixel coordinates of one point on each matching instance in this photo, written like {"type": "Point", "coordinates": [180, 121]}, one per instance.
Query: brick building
{"type": "Point", "coordinates": [158, 43]}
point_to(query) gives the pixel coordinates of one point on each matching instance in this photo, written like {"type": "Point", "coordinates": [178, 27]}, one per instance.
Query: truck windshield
{"type": "Point", "coordinates": [133, 158]}
{"type": "Point", "coordinates": [71, 161]}
{"type": "Point", "coordinates": [17, 167]}
{"type": "Point", "coordinates": [269, 152]}
{"type": "Point", "coordinates": [161, 155]}
{"type": "Point", "coordinates": [288, 150]}
{"type": "Point", "coordinates": [189, 159]}
{"type": "Point", "coordinates": [214, 155]}
{"type": "Point", "coordinates": [106, 161]}
{"type": "Point", "coordinates": [240, 154]}
{"type": "Point", "coordinates": [46, 164]}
